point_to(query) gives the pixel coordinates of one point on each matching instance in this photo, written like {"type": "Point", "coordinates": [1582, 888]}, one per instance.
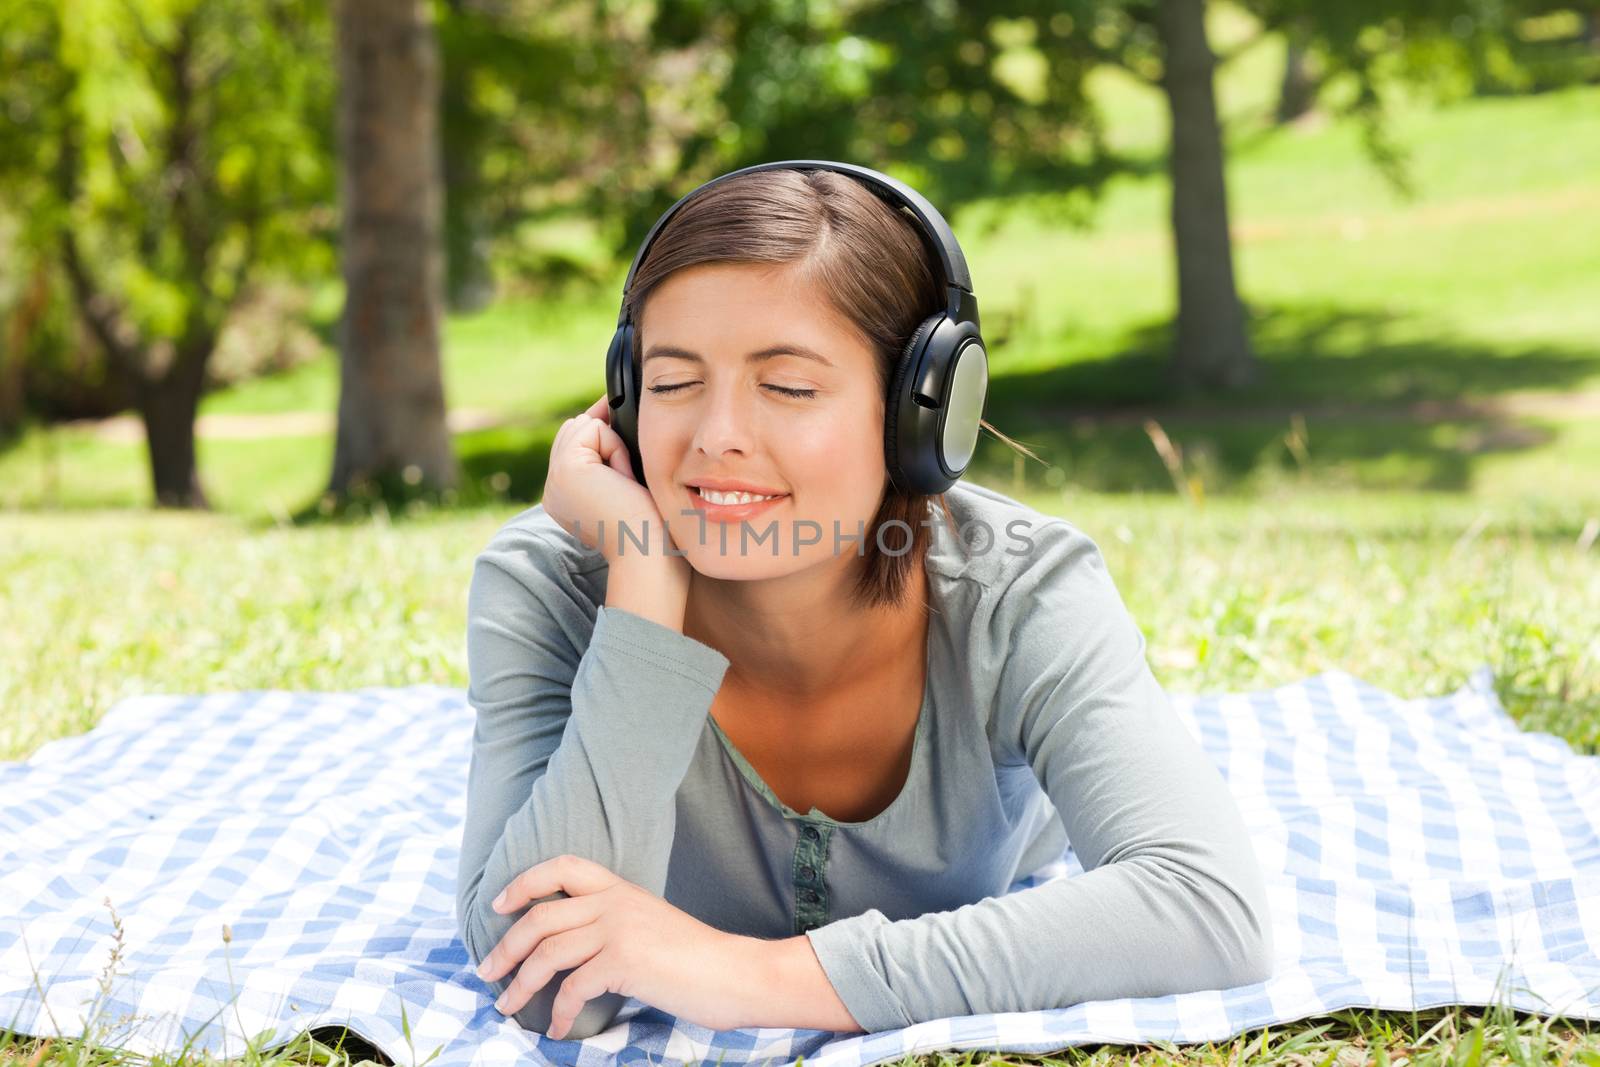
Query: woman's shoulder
{"type": "Point", "coordinates": [533, 548]}
{"type": "Point", "coordinates": [1051, 624]}
{"type": "Point", "coordinates": [1006, 546]}
{"type": "Point", "coordinates": [1024, 585]}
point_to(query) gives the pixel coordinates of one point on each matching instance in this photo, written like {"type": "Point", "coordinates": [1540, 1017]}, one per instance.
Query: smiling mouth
{"type": "Point", "coordinates": [732, 501]}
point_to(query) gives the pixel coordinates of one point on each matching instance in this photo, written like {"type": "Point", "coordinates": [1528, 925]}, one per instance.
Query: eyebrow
{"type": "Point", "coordinates": [771, 351]}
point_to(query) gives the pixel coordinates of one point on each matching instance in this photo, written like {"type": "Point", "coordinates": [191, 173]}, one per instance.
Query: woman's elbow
{"type": "Point", "coordinates": [1230, 918]}
{"type": "Point", "coordinates": [1248, 947]}
{"type": "Point", "coordinates": [466, 924]}
{"type": "Point", "coordinates": [482, 928]}
{"type": "Point", "coordinates": [1252, 957]}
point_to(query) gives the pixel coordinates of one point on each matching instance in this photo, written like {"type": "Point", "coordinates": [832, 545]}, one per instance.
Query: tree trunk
{"type": "Point", "coordinates": [168, 406]}
{"type": "Point", "coordinates": [10, 391]}
{"type": "Point", "coordinates": [1297, 90]}
{"type": "Point", "coordinates": [24, 318]}
{"type": "Point", "coordinates": [468, 274]}
{"type": "Point", "coordinates": [391, 389]}
{"type": "Point", "coordinates": [1212, 348]}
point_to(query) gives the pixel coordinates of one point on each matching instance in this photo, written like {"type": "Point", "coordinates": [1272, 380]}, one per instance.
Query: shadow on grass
{"type": "Point", "coordinates": [1377, 408]}
{"type": "Point", "coordinates": [1351, 357]}
{"type": "Point", "coordinates": [1244, 453]}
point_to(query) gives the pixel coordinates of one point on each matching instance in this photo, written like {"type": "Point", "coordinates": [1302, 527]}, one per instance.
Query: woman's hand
{"type": "Point", "coordinates": [622, 939]}
{"type": "Point", "coordinates": [591, 481]}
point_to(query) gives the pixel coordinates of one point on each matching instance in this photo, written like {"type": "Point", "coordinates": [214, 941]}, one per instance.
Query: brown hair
{"type": "Point", "coordinates": [870, 260]}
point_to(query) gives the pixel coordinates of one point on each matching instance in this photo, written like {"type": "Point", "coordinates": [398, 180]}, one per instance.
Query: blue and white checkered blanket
{"type": "Point", "coordinates": [1418, 852]}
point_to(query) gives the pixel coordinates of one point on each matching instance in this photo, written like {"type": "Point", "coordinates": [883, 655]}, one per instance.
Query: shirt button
{"type": "Point", "coordinates": [809, 832]}
{"type": "Point", "coordinates": [809, 896]}
{"type": "Point", "coordinates": [807, 873]}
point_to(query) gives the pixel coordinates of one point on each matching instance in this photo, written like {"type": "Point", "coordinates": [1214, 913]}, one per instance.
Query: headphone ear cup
{"type": "Point", "coordinates": [898, 395]}
{"type": "Point", "coordinates": [622, 394]}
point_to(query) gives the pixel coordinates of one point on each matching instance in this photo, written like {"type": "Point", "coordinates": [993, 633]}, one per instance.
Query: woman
{"type": "Point", "coordinates": [788, 782]}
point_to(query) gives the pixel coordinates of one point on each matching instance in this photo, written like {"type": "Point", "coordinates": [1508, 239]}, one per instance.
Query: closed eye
{"type": "Point", "coordinates": [804, 394]}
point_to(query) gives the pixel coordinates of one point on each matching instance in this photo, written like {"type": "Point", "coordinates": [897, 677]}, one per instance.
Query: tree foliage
{"type": "Point", "coordinates": [547, 108]}
{"type": "Point", "coordinates": [159, 152]}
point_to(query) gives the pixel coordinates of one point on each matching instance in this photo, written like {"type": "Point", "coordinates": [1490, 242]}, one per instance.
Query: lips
{"type": "Point", "coordinates": [727, 486]}
{"type": "Point", "coordinates": [734, 511]}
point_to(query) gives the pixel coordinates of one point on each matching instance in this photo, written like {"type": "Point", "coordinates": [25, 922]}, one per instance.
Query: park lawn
{"type": "Point", "coordinates": [1409, 590]}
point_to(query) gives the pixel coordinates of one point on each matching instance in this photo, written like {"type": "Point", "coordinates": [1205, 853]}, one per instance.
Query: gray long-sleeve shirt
{"type": "Point", "coordinates": [1041, 723]}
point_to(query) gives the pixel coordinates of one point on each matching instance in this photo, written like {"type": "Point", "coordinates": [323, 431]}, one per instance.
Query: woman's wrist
{"type": "Point", "coordinates": [789, 988]}
{"type": "Point", "coordinates": [653, 587]}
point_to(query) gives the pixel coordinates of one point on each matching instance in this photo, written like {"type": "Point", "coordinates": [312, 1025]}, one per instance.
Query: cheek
{"type": "Point", "coordinates": [843, 467]}
{"type": "Point", "coordinates": [662, 437]}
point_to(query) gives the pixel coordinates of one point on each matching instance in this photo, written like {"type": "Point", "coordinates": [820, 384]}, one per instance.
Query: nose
{"type": "Point", "coordinates": [726, 423]}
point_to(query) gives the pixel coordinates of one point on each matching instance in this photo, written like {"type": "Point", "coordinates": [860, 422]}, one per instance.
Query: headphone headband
{"type": "Point", "coordinates": [935, 230]}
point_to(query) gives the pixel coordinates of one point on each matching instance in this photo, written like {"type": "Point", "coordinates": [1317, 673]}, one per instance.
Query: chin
{"type": "Point", "coordinates": [759, 565]}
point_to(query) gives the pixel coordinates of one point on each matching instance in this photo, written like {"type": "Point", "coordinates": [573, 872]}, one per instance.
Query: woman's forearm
{"type": "Point", "coordinates": [790, 989]}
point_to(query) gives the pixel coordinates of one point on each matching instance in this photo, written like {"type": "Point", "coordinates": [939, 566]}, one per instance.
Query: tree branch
{"type": "Point", "coordinates": [116, 334]}
{"type": "Point", "coordinates": [111, 327]}
{"type": "Point", "coordinates": [181, 162]}
{"type": "Point", "coordinates": [247, 256]}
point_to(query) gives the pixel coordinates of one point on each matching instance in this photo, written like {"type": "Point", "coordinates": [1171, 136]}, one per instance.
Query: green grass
{"type": "Point", "coordinates": [1233, 593]}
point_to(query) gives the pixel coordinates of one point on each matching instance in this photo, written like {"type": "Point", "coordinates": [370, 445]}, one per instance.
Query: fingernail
{"type": "Point", "coordinates": [500, 1005]}
{"type": "Point", "coordinates": [483, 969]}
{"type": "Point", "coordinates": [499, 900]}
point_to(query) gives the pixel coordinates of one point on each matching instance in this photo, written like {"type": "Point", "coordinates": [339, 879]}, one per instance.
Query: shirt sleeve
{"type": "Point", "coordinates": [579, 753]}
{"type": "Point", "coordinates": [1171, 899]}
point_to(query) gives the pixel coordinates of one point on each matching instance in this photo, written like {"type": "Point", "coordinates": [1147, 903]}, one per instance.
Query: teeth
{"type": "Point", "coordinates": [715, 497]}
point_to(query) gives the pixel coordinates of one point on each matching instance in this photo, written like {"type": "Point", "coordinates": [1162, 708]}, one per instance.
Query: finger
{"type": "Point", "coordinates": [582, 434]}
{"type": "Point", "coordinates": [577, 433]}
{"type": "Point", "coordinates": [600, 409]}
{"type": "Point", "coordinates": [561, 433]}
{"type": "Point", "coordinates": [544, 919]}
{"type": "Point", "coordinates": [605, 441]}
{"type": "Point", "coordinates": [573, 875]}
{"type": "Point", "coordinates": [591, 980]}
{"type": "Point", "coordinates": [564, 951]}
{"type": "Point", "coordinates": [620, 462]}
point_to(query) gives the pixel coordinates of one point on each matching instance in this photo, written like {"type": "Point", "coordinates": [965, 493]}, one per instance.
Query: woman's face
{"type": "Point", "coordinates": [726, 400]}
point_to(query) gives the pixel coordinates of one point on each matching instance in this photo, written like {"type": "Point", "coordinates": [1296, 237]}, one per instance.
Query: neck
{"type": "Point", "coordinates": [800, 634]}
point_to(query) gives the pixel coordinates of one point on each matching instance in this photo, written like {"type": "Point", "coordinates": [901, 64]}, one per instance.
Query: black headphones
{"type": "Point", "coordinates": [930, 426]}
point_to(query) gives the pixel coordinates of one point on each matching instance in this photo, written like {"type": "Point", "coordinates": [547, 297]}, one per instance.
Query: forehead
{"type": "Point", "coordinates": [723, 310]}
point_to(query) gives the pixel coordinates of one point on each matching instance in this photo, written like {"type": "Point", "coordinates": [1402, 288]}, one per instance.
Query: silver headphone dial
{"type": "Point", "coordinates": [967, 388]}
